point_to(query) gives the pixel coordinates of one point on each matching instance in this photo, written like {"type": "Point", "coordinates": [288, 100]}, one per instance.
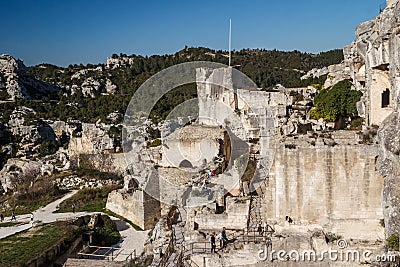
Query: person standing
{"type": "Point", "coordinates": [13, 216]}
{"type": "Point", "coordinates": [260, 229]}
{"type": "Point", "coordinates": [212, 241]}
{"type": "Point", "coordinates": [1, 217]}
{"type": "Point", "coordinates": [224, 239]}
{"type": "Point", "coordinates": [31, 217]}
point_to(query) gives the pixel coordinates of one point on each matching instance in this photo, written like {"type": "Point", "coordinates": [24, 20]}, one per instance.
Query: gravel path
{"type": "Point", "coordinates": [130, 238]}
{"type": "Point", "coordinates": [44, 215]}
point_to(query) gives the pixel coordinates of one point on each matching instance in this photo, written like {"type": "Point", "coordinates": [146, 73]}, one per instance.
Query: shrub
{"type": "Point", "coordinates": [154, 143]}
{"type": "Point", "coordinates": [332, 237]}
{"type": "Point", "coordinates": [393, 241]}
{"type": "Point", "coordinates": [357, 123]}
{"type": "Point", "coordinates": [249, 171]}
{"type": "Point", "coordinates": [339, 100]}
{"type": "Point", "coordinates": [114, 131]}
{"type": "Point", "coordinates": [106, 233]}
{"type": "Point", "coordinates": [290, 146]}
{"type": "Point", "coordinates": [48, 148]}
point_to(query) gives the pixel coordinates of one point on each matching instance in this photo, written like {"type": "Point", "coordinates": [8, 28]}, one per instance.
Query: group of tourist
{"type": "Point", "coordinates": [13, 217]}
{"type": "Point", "coordinates": [210, 174]}
{"type": "Point", "coordinates": [223, 240]}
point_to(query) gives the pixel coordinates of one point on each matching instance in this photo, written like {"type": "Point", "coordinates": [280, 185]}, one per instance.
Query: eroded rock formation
{"type": "Point", "coordinates": [18, 83]}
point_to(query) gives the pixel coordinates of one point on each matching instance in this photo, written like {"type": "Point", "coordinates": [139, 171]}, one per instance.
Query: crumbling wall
{"type": "Point", "coordinates": [235, 216]}
{"type": "Point", "coordinates": [137, 206]}
{"type": "Point", "coordinates": [114, 163]}
{"type": "Point", "coordinates": [92, 139]}
{"type": "Point", "coordinates": [380, 83]}
{"type": "Point", "coordinates": [191, 146]}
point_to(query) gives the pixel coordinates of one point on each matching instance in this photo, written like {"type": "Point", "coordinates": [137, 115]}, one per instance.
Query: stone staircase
{"type": "Point", "coordinates": [178, 230]}
{"type": "Point", "coordinates": [181, 253]}
{"type": "Point", "coordinates": [179, 238]}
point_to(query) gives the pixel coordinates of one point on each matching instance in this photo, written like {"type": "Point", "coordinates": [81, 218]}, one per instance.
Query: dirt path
{"type": "Point", "coordinates": [131, 239]}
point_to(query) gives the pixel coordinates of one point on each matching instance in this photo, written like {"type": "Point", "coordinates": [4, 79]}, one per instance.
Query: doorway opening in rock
{"type": "Point", "coordinates": [385, 98]}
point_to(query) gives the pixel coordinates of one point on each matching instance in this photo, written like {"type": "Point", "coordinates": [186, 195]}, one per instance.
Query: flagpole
{"type": "Point", "coordinates": [230, 40]}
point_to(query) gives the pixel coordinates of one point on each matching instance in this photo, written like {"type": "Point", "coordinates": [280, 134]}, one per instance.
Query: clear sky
{"type": "Point", "coordinates": [87, 31]}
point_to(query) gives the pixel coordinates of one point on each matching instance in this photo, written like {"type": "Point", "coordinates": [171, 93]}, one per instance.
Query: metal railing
{"type": "Point", "coordinates": [170, 249]}
{"type": "Point", "coordinates": [108, 253]}
{"type": "Point", "coordinates": [252, 235]}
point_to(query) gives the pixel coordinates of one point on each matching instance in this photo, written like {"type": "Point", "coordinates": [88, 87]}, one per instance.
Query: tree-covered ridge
{"type": "Point", "coordinates": [265, 67]}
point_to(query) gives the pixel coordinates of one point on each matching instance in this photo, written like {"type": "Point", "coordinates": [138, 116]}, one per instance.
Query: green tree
{"type": "Point", "coordinates": [339, 100]}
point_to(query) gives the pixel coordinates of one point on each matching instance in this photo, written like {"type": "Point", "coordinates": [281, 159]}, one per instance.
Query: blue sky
{"type": "Point", "coordinates": [86, 31]}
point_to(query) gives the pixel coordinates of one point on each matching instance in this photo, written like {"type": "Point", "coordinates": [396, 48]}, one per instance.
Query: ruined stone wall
{"type": "Point", "coordinates": [138, 207]}
{"type": "Point", "coordinates": [191, 146]}
{"type": "Point", "coordinates": [379, 84]}
{"type": "Point", "coordinates": [93, 139]}
{"type": "Point", "coordinates": [336, 187]}
{"type": "Point", "coordinates": [220, 94]}
{"type": "Point", "coordinates": [235, 216]}
{"type": "Point", "coordinates": [372, 63]}
{"type": "Point", "coordinates": [380, 40]}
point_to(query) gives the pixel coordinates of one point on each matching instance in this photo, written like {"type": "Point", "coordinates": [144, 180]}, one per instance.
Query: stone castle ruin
{"type": "Point", "coordinates": [252, 161]}
{"type": "Point", "coordinates": [304, 183]}
{"type": "Point", "coordinates": [335, 186]}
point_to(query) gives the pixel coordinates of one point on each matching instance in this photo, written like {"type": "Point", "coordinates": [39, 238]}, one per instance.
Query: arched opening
{"type": "Point", "coordinates": [385, 98]}
{"type": "Point", "coordinates": [185, 164]}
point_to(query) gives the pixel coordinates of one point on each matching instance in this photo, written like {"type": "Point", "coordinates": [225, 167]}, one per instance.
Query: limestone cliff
{"type": "Point", "coordinates": [381, 41]}
{"type": "Point", "coordinates": [372, 61]}
{"type": "Point", "coordinates": [18, 83]}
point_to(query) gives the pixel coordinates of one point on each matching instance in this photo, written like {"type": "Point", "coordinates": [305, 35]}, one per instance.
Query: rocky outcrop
{"type": "Point", "coordinates": [90, 139]}
{"type": "Point", "coordinates": [315, 73]}
{"type": "Point", "coordinates": [20, 84]}
{"type": "Point", "coordinates": [114, 61]}
{"type": "Point", "coordinates": [92, 86]}
{"type": "Point", "coordinates": [15, 170]}
{"type": "Point", "coordinates": [384, 46]}
{"type": "Point", "coordinates": [388, 165]}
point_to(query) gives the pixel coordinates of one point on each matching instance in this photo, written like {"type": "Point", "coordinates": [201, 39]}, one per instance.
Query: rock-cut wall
{"type": "Point", "coordinates": [335, 187]}
{"type": "Point", "coordinates": [372, 62]}
{"type": "Point", "coordinates": [379, 42]}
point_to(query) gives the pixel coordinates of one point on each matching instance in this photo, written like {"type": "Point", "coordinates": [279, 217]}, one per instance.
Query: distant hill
{"type": "Point", "coordinates": [103, 91]}
{"type": "Point", "coordinates": [265, 67]}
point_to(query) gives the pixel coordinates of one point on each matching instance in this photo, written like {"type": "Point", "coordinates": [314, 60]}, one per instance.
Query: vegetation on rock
{"type": "Point", "coordinates": [338, 101]}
